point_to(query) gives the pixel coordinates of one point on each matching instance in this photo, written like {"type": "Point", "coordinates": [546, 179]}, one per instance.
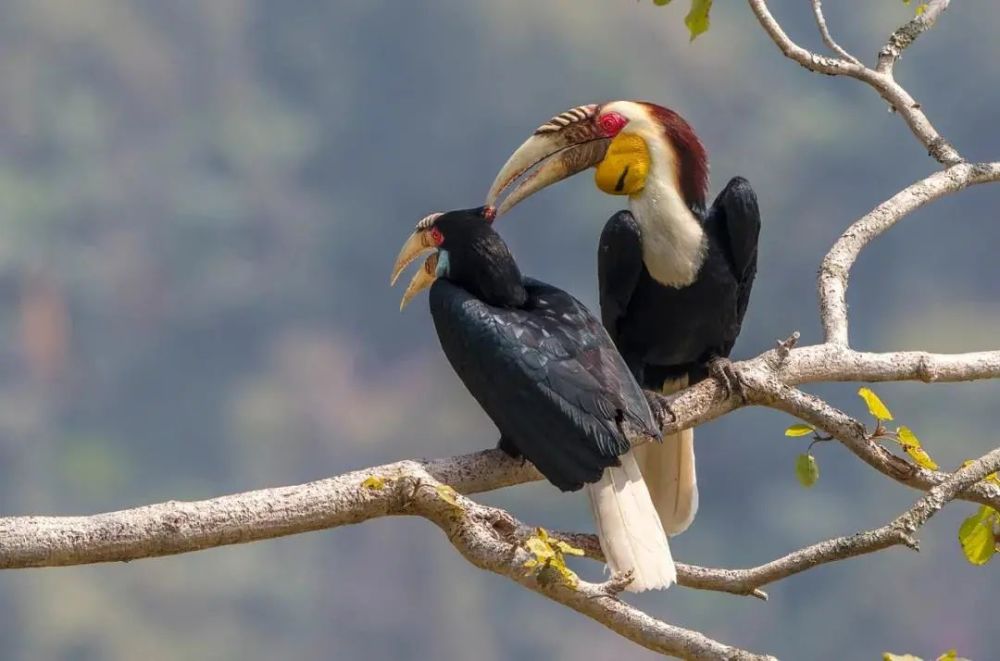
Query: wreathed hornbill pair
{"type": "Point", "coordinates": [674, 281]}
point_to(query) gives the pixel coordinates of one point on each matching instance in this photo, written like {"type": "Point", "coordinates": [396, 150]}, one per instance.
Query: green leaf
{"type": "Point", "coordinates": [800, 430]}
{"type": "Point", "coordinates": [373, 482]}
{"type": "Point", "coordinates": [806, 470]}
{"type": "Point", "coordinates": [697, 18]}
{"type": "Point", "coordinates": [661, 3]}
{"type": "Point", "coordinates": [976, 535]}
{"type": "Point", "coordinates": [911, 444]}
{"type": "Point", "coordinates": [875, 405]}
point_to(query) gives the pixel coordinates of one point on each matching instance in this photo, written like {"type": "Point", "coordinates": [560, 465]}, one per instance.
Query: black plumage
{"type": "Point", "coordinates": [667, 332]}
{"type": "Point", "coordinates": [539, 363]}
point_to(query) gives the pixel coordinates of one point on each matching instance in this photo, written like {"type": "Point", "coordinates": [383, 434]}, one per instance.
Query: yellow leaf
{"type": "Point", "coordinates": [951, 655]}
{"type": "Point", "coordinates": [806, 470]}
{"type": "Point", "coordinates": [907, 438]}
{"type": "Point", "coordinates": [911, 444]}
{"type": "Point", "coordinates": [922, 458]}
{"type": "Point", "coordinates": [529, 563]}
{"type": "Point", "coordinates": [889, 656]}
{"type": "Point", "coordinates": [373, 482]}
{"type": "Point", "coordinates": [875, 405]}
{"type": "Point", "coordinates": [799, 430]}
{"type": "Point", "coordinates": [447, 494]}
{"type": "Point", "coordinates": [921, 8]}
{"type": "Point", "coordinates": [697, 19]}
{"type": "Point", "coordinates": [976, 535]}
{"type": "Point", "coordinates": [539, 548]}
{"type": "Point", "coordinates": [567, 548]}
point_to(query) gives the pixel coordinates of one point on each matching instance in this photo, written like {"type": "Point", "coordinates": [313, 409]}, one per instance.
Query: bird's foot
{"type": "Point", "coordinates": [725, 372]}
{"type": "Point", "coordinates": [660, 406]}
{"type": "Point", "coordinates": [617, 583]}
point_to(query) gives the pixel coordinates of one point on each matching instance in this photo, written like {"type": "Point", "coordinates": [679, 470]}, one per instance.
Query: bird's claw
{"type": "Point", "coordinates": [723, 371]}
{"type": "Point", "coordinates": [660, 406]}
{"type": "Point", "coordinates": [617, 583]}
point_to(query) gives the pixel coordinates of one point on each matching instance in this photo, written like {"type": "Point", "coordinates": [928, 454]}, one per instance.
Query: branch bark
{"type": "Point", "coordinates": [906, 34]}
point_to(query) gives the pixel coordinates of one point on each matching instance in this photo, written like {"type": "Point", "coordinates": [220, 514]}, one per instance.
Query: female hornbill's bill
{"type": "Point", "coordinates": [674, 277]}
{"type": "Point", "coordinates": [546, 372]}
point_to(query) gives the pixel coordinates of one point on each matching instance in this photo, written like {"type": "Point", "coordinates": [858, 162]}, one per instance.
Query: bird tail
{"type": "Point", "coordinates": [629, 529]}
{"type": "Point", "coordinates": [669, 471]}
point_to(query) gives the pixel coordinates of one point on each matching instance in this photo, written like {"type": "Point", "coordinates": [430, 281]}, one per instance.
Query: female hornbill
{"type": "Point", "coordinates": [545, 371]}
{"type": "Point", "coordinates": [674, 277]}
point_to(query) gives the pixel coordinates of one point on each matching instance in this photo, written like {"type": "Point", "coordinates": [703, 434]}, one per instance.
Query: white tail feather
{"type": "Point", "coordinates": [629, 529]}
{"type": "Point", "coordinates": [669, 471]}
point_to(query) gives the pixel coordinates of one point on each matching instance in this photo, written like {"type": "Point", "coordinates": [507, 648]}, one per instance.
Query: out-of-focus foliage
{"type": "Point", "coordinates": [199, 206]}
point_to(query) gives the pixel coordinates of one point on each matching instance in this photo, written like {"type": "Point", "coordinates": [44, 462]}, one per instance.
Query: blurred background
{"type": "Point", "coordinates": [199, 207]}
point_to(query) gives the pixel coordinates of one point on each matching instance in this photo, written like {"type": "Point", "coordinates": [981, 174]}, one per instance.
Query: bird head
{"type": "Point", "coordinates": [628, 142]}
{"type": "Point", "coordinates": [465, 249]}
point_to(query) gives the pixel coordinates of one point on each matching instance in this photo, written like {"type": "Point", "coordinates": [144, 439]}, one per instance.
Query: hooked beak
{"type": "Point", "coordinates": [422, 279]}
{"type": "Point", "coordinates": [569, 143]}
{"type": "Point", "coordinates": [419, 242]}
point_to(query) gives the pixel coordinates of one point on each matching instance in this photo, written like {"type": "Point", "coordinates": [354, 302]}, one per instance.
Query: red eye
{"type": "Point", "coordinates": [611, 123]}
{"type": "Point", "coordinates": [436, 236]}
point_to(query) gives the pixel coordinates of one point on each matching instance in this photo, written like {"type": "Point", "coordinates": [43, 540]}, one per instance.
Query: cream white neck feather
{"type": "Point", "coordinates": [673, 241]}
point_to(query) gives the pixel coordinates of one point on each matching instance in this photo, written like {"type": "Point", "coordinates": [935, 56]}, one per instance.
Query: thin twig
{"type": "Point", "coordinates": [828, 39]}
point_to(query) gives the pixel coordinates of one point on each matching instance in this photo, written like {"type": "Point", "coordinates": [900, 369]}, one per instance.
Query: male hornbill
{"type": "Point", "coordinates": [547, 373]}
{"type": "Point", "coordinates": [674, 277]}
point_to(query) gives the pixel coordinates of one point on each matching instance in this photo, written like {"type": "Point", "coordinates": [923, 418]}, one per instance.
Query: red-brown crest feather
{"type": "Point", "coordinates": [691, 156]}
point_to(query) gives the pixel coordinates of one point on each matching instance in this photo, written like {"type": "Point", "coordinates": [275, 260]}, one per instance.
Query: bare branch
{"type": "Point", "coordinates": [487, 537]}
{"type": "Point", "coordinates": [883, 83]}
{"type": "Point", "coordinates": [906, 34]}
{"type": "Point", "coordinates": [836, 266]}
{"type": "Point", "coordinates": [828, 39]}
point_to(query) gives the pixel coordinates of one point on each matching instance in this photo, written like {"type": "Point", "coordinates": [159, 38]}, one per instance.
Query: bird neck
{"type": "Point", "coordinates": [488, 271]}
{"type": "Point", "coordinates": [674, 243]}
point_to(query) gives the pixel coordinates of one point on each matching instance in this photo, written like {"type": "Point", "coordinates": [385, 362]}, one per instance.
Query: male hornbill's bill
{"type": "Point", "coordinates": [547, 373]}
{"type": "Point", "coordinates": [674, 277]}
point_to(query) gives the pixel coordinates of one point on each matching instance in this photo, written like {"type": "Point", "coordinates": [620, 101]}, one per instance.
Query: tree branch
{"type": "Point", "coordinates": [487, 537]}
{"type": "Point", "coordinates": [898, 532]}
{"type": "Point", "coordinates": [883, 83]}
{"type": "Point", "coordinates": [906, 34]}
{"type": "Point", "coordinates": [837, 264]}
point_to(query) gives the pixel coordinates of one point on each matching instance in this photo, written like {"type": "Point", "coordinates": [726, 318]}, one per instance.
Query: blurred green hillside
{"type": "Point", "coordinates": [199, 206]}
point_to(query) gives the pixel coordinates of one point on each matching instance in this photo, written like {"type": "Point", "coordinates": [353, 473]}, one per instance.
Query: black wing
{"type": "Point", "coordinates": [619, 264]}
{"type": "Point", "coordinates": [548, 375]}
{"type": "Point", "coordinates": [735, 218]}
